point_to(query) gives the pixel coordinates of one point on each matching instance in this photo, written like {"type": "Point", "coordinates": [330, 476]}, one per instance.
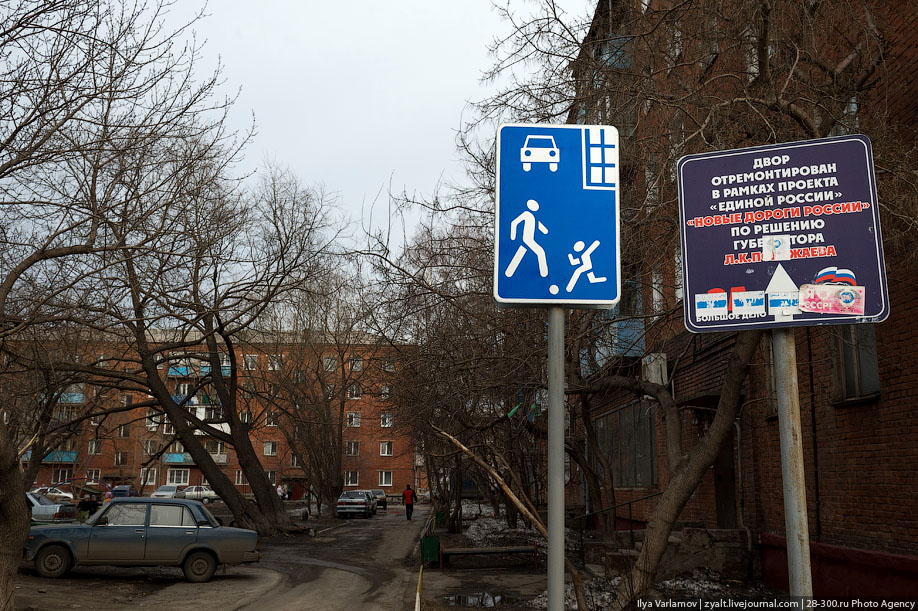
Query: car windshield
{"type": "Point", "coordinates": [540, 142]}
{"type": "Point", "coordinates": [165, 489]}
{"type": "Point", "coordinates": [42, 500]}
{"type": "Point", "coordinates": [353, 494]}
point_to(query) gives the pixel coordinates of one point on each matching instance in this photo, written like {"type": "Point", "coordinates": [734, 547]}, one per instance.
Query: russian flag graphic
{"type": "Point", "coordinates": [825, 275]}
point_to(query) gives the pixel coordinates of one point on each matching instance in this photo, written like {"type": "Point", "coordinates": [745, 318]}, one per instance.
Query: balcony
{"type": "Point", "coordinates": [179, 371]}
{"type": "Point", "coordinates": [55, 456]}
{"type": "Point", "coordinates": [178, 459]}
{"type": "Point", "coordinates": [192, 400]}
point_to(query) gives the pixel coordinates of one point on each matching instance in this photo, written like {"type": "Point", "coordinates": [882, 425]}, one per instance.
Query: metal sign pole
{"type": "Point", "coordinates": [555, 459]}
{"type": "Point", "coordinates": [798, 537]}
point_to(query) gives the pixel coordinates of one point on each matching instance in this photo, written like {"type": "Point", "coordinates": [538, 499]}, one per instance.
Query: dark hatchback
{"type": "Point", "coordinates": [143, 532]}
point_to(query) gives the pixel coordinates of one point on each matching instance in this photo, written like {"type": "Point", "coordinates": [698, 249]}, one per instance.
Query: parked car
{"type": "Point", "coordinates": [166, 492]}
{"type": "Point", "coordinates": [199, 493]}
{"type": "Point", "coordinates": [125, 490]}
{"type": "Point", "coordinates": [355, 502]}
{"type": "Point", "coordinates": [381, 500]}
{"type": "Point", "coordinates": [374, 503]}
{"type": "Point", "coordinates": [46, 510]}
{"type": "Point", "coordinates": [55, 494]}
{"type": "Point", "coordinates": [143, 532]}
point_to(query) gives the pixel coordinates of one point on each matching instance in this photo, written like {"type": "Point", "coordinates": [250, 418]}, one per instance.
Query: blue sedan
{"type": "Point", "coordinates": [143, 532]}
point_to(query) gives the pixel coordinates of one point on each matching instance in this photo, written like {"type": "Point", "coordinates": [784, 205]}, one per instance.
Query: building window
{"type": "Point", "coordinates": [124, 430]}
{"type": "Point", "coordinates": [385, 392]}
{"type": "Point", "coordinates": [214, 446]}
{"type": "Point", "coordinates": [270, 448]}
{"type": "Point", "coordinates": [627, 436]}
{"type": "Point", "coordinates": [95, 446]}
{"type": "Point", "coordinates": [330, 363]}
{"type": "Point", "coordinates": [385, 478]}
{"type": "Point", "coordinates": [62, 473]}
{"type": "Point", "coordinates": [250, 361]}
{"type": "Point", "coordinates": [148, 476]}
{"type": "Point", "coordinates": [386, 420]}
{"type": "Point", "coordinates": [179, 477]}
{"type": "Point", "coordinates": [93, 474]}
{"type": "Point", "coordinates": [150, 447]}
{"type": "Point", "coordinates": [152, 420]}
{"type": "Point", "coordinates": [350, 478]}
{"type": "Point", "coordinates": [352, 448]}
{"type": "Point", "coordinates": [270, 418]}
{"type": "Point", "coordinates": [245, 417]}
{"type": "Point", "coordinates": [859, 372]}
{"type": "Point", "coordinates": [120, 459]}
{"type": "Point", "coordinates": [177, 447]}
{"type": "Point", "coordinates": [354, 391]}
{"type": "Point", "coordinates": [388, 365]}
{"type": "Point", "coordinates": [168, 429]}
{"type": "Point", "coordinates": [357, 363]}
{"type": "Point", "coordinates": [240, 479]}
{"type": "Point", "coordinates": [126, 400]}
{"type": "Point", "coordinates": [275, 362]}
{"type": "Point", "coordinates": [272, 476]}
{"type": "Point", "coordinates": [385, 448]}
{"type": "Point", "coordinates": [294, 461]}
{"type": "Point", "coordinates": [329, 391]}
{"type": "Point", "coordinates": [353, 419]}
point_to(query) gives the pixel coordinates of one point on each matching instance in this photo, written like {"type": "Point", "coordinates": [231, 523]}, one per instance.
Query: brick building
{"type": "Point", "coordinates": [138, 445]}
{"type": "Point", "coordinates": [858, 384]}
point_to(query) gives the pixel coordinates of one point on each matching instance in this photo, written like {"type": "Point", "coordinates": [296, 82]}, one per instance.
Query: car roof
{"type": "Point", "coordinates": [151, 500]}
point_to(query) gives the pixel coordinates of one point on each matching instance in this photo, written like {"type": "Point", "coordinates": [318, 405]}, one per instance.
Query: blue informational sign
{"type": "Point", "coordinates": [780, 236]}
{"type": "Point", "coordinates": [556, 238]}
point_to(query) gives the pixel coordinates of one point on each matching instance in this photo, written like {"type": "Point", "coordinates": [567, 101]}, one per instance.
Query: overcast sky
{"type": "Point", "coordinates": [358, 96]}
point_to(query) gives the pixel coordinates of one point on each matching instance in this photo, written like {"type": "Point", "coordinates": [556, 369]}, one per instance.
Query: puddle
{"type": "Point", "coordinates": [480, 600]}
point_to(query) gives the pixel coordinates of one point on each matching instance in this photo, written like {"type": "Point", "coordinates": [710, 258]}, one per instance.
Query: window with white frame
{"type": "Point", "coordinates": [150, 447]}
{"type": "Point", "coordinates": [168, 428]}
{"type": "Point", "coordinates": [385, 420]}
{"type": "Point", "coordinates": [272, 476]}
{"type": "Point", "coordinates": [294, 460]}
{"type": "Point", "coordinates": [385, 391]}
{"type": "Point", "coordinates": [385, 478]}
{"type": "Point", "coordinates": [388, 365]}
{"type": "Point", "coordinates": [62, 473]}
{"type": "Point", "coordinates": [275, 362]}
{"type": "Point", "coordinates": [330, 363]}
{"type": "Point", "coordinates": [153, 420]}
{"type": "Point", "coordinates": [214, 446]}
{"type": "Point", "coordinates": [93, 474]}
{"type": "Point", "coordinates": [353, 419]}
{"type": "Point", "coordinates": [329, 391]}
{"type": "Point", "coordinates": [126, 400]}
{"type": "Point", "coordinates": [240, 479]}
{"type": "Point", "coordinates": [352, 448]}
{"type": "Point", "coordinates": [124, 430]}
{"type": "Point", "coordinates": [385, 448]}
{"type": "Point", "coordinates": [250, 362]}
{"type": "Point", "coordinates": [95, 446]}
{"type": "Point", "coordinates": [179, 477]}
{"type": "Point", "coordinates": [177, 447]}
{"type": "Point", "coordinates": [357, 363]}
{"type": "Point", "coordinates": [270, 448]}
{"type": "Point", "coordinates": [148, 476]}
{"type": "Point", "coordinates": [354, 391]}
{"type": "Point", "coordinates": [270, 418]}
{"type": "Point", "coordinates": [350, 478]}
{"type": "Point", "coordinates": [245, 417]}
{"type": "Point", "coordinates": [120, 459]}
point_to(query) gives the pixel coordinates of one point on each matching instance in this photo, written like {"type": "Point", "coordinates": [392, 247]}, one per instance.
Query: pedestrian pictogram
{"type": "Point", "coordinates": [556, 222]}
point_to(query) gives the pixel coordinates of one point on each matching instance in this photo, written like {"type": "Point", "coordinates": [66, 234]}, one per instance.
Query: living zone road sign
{"type": "Point", "coordinates": [556, 227]}
{"type": "Point", "coordinates": [782, 235]}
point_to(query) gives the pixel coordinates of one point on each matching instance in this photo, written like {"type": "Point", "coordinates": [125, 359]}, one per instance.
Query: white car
{"type": "Point", "coordinates": [200, 493]}
{"type": "Point", "coordinates": [540, 149]}
{"type": "Point", "coordinates": [55, 494]}
{"type": "Point", "coordinates": [46, 510]}
{"type": "Point", "coordinates": [165, 492]}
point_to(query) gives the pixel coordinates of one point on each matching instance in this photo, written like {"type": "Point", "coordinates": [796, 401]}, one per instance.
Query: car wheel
{"type": "Point", "coordinates": [553, 167]}
{"type": "Point", "coordinates": [199, 567]}
{"type": "Point", "coordinates": [205, 500]}
{"type": "Point", "coordinates": [527, 167]}
{"type": "Point", "coordinates": [53, 561]}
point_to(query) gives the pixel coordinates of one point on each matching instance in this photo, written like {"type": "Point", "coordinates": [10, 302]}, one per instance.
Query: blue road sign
{"type": "Point", "coordinates": [780, 236]}
{"type": "Point", "coordinates": [556, 237]}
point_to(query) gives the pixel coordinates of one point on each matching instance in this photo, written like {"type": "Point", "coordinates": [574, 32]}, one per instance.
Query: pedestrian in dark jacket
{"type": "Point", "coordinates": [409, 497]}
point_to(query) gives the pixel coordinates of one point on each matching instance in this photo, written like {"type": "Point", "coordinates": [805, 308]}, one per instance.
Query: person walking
{"type": "Point", "coordinates": [280, 491]}
{"type": "Point", "coordinates": [83, 508]}
{"type": "Point", "coordinates": [409, 497]}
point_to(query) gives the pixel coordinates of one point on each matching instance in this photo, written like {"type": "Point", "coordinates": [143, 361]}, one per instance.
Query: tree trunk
{"type": "Point", "coordinates": [14, 519]}
{"type": "Point", "coordinates": [688, 472]}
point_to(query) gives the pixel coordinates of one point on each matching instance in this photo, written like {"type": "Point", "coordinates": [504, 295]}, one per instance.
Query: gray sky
{"type": "Point", "coordinates": [358, 95]}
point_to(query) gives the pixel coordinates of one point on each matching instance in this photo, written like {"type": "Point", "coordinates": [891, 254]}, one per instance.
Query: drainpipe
{"type": "Point", "coordinates": [809, 356]}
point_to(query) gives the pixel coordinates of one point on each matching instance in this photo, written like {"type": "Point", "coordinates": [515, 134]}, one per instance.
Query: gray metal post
{"type": "Point", "coordinates": [555, 459]}
{"type": "Point", "coordinates": [798, 537]}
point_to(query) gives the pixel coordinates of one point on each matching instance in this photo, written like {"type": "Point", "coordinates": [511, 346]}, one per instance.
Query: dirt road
{"type": "Point", "coordinates": [358, 563]}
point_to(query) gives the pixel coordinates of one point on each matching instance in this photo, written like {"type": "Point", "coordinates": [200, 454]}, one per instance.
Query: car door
{"type": "Point", "coordinates": [172, 529]}
{"type": "Point", "coordinates": [119, 535]}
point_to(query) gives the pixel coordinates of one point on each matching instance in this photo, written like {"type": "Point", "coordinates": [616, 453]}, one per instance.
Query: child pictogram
{"type": "Point", "coordinates": [585, 263]}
